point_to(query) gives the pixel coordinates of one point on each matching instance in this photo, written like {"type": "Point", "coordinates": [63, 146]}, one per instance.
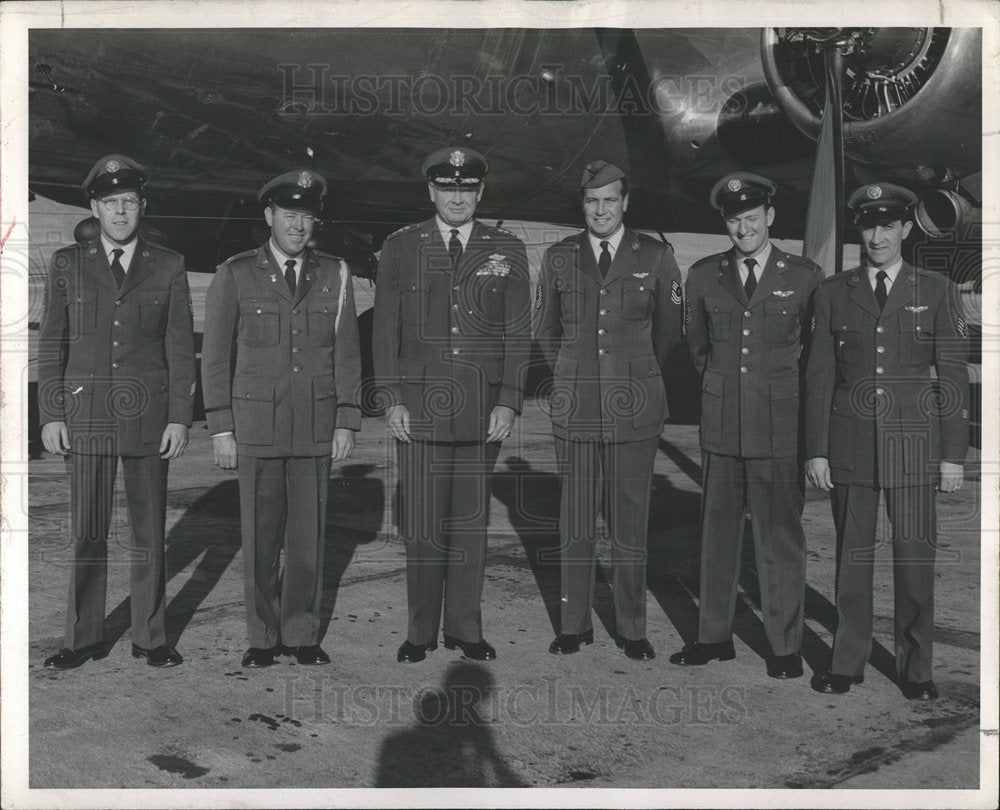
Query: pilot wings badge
{"type": "Point", "coordinates": [914, 309]}
{"type": "Point", "coordinates": [640, 275]}
{"type": "Point", "coordinates": [784, 293]}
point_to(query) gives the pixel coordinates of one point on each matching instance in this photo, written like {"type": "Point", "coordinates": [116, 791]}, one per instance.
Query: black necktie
{"type": "Point", "coordinates": [290, 276]}
{"type": "Point", "coordinates": [454, 248]}
{"type": "Point", "coordinates": [880, 291]}
{"type": "Point", "coordinates": [604, 262]}
{"type": "Point", "coordinates": [116, 267]}
{"type": "Point", "coordinates": [751, 283]}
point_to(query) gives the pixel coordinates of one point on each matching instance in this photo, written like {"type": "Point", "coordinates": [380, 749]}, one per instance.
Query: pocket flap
{"type": "Point", "coordinates": [784, 389]}
{"type": "Point", "coordinates": [785, 307]}
{"type": "Point", "coordinates": [718, 306]}
{"type": "Point", "coordinates": [643, 367]}
{"type": "Point", "coordinates": [714, 384]}
{"type": "Point", "coordinates": [255, 388]}
{"type": "Point", "coordinates": [324, 387]}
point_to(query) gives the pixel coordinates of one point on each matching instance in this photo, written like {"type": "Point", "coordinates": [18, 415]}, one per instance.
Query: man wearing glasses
{"type": "Point", "coordinates": [116, 379]}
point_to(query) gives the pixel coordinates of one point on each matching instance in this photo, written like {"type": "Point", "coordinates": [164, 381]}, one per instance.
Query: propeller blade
{"type": "Point", "coordinates": [824, 237]}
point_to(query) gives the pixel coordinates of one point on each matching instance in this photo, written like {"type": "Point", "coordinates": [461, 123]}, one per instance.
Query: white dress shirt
{"type": "Point", "coordinates": [613, 242]}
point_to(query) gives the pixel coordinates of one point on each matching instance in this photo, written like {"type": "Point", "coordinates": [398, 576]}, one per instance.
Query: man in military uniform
{"type": "Point", "coordinates": [747, 319]}
{"type": "Point", "coordinates": [611, 315]}
{"type": "Point", "coordinates": [116, 379]}
{"type": "Point", "coordinates": [451, 347]}
{"type": "Point", "coordinates": [878, 422]}
{"type": "Point", "coordinates": [281, 371]}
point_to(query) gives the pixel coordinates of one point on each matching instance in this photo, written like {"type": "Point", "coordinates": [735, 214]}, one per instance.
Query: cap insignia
{"type": "Point", "coordinates": [457, 158]}
{"type": "Point", "coordinates": [305, 179]}
{"type": "Point", "coordinates": [874, 192]}
{"type": "Point", "coordinates": [735, 184]}
{"type": "Point", "coordinates": [112, 166]}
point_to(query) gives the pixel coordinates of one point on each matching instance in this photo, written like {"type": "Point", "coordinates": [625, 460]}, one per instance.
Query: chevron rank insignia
{"type": "Point", "coordinates": [687, 313]}
{"type": "Point", "coordinates": [190, 305]}
{"type": "Point", "coordinates": [784, 293]}
{"type": "Point", "coordinates": [640, 275]}
{"type": "Point", "coordinates": [812, 326]}
{"type": "Point", "coordinates": [915, 309]}
{"type": "Point", "coordinates": [675, 293]}
{"type": "Point", "coordinates": [963, 327]}
{"type": "Point", "coordinates": [191, 392]}
{"type": "Point", "coordinates": [538, 295]}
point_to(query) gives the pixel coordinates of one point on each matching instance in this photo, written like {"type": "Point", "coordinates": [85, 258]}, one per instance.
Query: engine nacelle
{"type": "Point", "coordinates": [899, 85]}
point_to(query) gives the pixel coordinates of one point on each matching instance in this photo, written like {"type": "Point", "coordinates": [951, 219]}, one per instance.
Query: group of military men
{"type": "Point", "coordinates": [835, 373]}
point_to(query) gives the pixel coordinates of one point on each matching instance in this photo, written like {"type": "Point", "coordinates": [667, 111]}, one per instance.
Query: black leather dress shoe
{"type": "Point", "coordinates": [480, 650]}
{"type": "Point", "coordinates": [831, 684]}
{"type": "Point", "coordinates": [567, 643]}
{"type": "Point", "coordinates": [409, 653]}
{"type": "Point", "coordinates": [71, 659]}
{"type": "Point", "coordinates": [785, 666]}
{"type": "Point", "coordinates": [311, 655]}
{"type": "Point", "coordinates": [258, 657]}
{"type": "Point", "coordinates": [638, 649]}
{"type": "Point", "coordinates": [697, 654]}
{"type": "Point", "coordinates": [162, 656]}
{"type": "Point", "coordinates": [924, 690]}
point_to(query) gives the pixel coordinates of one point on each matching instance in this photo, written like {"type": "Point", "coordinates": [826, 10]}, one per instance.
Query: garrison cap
{"type": "Point", "coordinates": [741, 191]}
{"type": "Point", "coordinates": [598, 173]}
{"type": "Point", "coordinates": [114, 173]}
{"type": "Point", "coordinates": [880, 203]}
{"type": "Point", "coordinates": [455, 167]}
{"type": "Point", "coordinates": [297, 190]}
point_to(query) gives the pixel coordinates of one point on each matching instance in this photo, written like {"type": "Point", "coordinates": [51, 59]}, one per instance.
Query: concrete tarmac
{"type": "Point", "coordinates": [591, 720]}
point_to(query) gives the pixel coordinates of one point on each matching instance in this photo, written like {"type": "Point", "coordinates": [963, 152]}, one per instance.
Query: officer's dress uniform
{"type": "Point", "coordinates": [282, 370]}
{"type": "Point", "coordinates": [450, 344]}
{"type": "Point", "coordinates": [875, 411]}
{"type": "Point", "coordinates": [607, 340]}
{"type": "Point", "coordinates": [747, 351]}
{"type": "Point", "coordinates": [116, 365]}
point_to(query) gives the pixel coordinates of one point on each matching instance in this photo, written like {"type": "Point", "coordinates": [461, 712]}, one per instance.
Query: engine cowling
{"type": "Point", "coordinates": [912, 97]}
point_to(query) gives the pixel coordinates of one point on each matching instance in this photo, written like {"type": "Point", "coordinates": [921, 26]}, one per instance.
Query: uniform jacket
{"type": "Point", "coordinates": [452, 345]}
{"type": "Point", "coordinates": [748, 352]}
{"type": "Point", "coordinates": [607, 340]}
{"type": "Point", "coordinates": [873, 408]}
{"type": "Point", "coordinates": [116, 365]}
{"type": "Point", "coordinates": [281, 372]}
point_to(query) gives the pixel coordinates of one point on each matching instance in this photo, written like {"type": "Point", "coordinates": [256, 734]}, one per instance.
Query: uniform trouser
{"type": "Point", "coordinates": [773, 489]}
{"type": "Point", "coordinates": [283, 503]}
{"type": "Point", "coordinates": [92, 488]}
{"type": "Point", "coordinates": [627, 469]}
{"type": "Point", "coordinates": [445, 498]}
{"type": "Point", "coordinates": [911, 512]}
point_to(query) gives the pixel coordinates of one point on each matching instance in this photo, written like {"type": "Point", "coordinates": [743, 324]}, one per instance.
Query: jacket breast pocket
{"type": "Point", "coordinates": [720, 319]}
{"type": "Point", "coordinates": [848, 344]}
{"type": "Point", "coordinates": [82, 311]}
{"type": "Point", "coordinates": [260, 323]}
{"type": "Point", "coordinates": [637, 300]}
{"type": "Point", "coordinates": [916, 340]}
{"type": "Point", "coordinates": [153, 312]}
{"type": "Point", "coordinates": [324, 408]}
{"type": "Point", "coordinates": [322, 320]}
{"type": "Point", "coordinates": [253, 409]}
{"type": "Point", "coordinates": [781, 321]}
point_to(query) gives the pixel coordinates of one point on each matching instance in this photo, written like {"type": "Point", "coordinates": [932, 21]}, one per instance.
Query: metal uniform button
{"type": "Point", "coordinates": [602, 331]}
{"type": "Point", "coordinates": [880, 329]}
{"type": "Point", "coordinates": [295, 312]}
{"type": "Point", "coordinates": [118, 303]}
{"type": "Point", "coordinates": [879, 370]}
{"type": "Point", "coordinates": [295, 350]}
{"type": "Point", "coordinates": [746, 314]}
{"type": "Point", "coordinates": [604, 312]}
{"type": "Point", "coordinates": [603, 291]}
{"type": "Point", "coordinates": [454, 306]}
{"type": "Point", "coordinates": [296, 331]}
{"type": "Point", "coordinates": [746, 332]}
{"type": "Point", "coordinates": [879, 391]}
{"type": "Point", "coordinates": [296, 368]}
{"type": "Point", "coordinates": [454, 330]}
{"type": "Point", "coordinates": [601, 351]}
{"type": "Point", "coordinates": [114, 365]}
{"type": "Point", "coordinates": [745, 350]}
{"type": "Point", "coordinates": [115, 343]}
{"type": "Point", "coordinates": [456, 351]}
{"type": "Point", "coordinates": [880, 349]}
{"type": "Point", "coordinates": [118, 323]}
{"type": "Point", "coordinates": [917, 328]}
{"type": "Point", "coordinates": [259, 310]}
{"type": "Point", "coordinates": [743, 369]}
